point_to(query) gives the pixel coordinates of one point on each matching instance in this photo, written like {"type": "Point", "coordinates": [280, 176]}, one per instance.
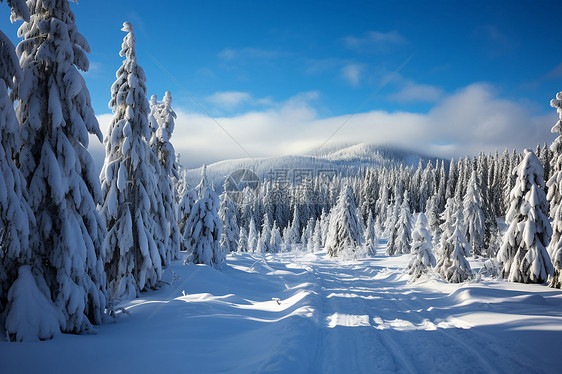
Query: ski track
{"type": "Point", "coordinates": [390, 331]}
{"type": "Point", "coordinates": [307, 313]}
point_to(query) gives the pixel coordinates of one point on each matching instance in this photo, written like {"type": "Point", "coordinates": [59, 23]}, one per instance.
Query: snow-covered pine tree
{"type": "Point", "coordinates": [243, 240]}
{"type": "Point", "coordinates": [523, 252]}
{"type": "Point", "coordinates": [432, 217]}
{"type": "Point", "coordinates": [293, 232]}
{"type": "Point", "coordinates": [391, 228]}
{"type": "Point", "coordinates": [422, 257]}
{"type": "Point", "coordinates": [161, 121]}
{"type": "Point", "coordinates": [129, 183]}
{"type": "Point", "coordinates": [370, 236]}
{"type": "Point", "coordinates": [324, 225]}
{"type": "Point", "coordinates": [275, 240]}
{"type": "Point", "coordinates": [252, 236]}
{"type": "Point", "coordinates": [204, 183]}
{"type": "Point", "coordinates": [31, 314]}
{"type": "Point", "coordinates": [260, 244]}
{"type": "Point", "coordinates": [554, 196]}
{"type": "Point", "coordinates": [453, 247]}
{"type": "Point", "coordinates": [203, 231]}
{"type": "Point", "coordinates": [474, 215]}
{"type": "Point", "coordinates": [308, 232]}
{"type": "Point", "coordinates": [316, 242]}
{"type": "Point", "coordinates": [403, 228]}
{"type": "Point", "coordinates": [56, 116]}
{"type": "Point", "coordinates": [378, 226]}
{"type": "Point", "coordinates": [381, 206]}
{"type": "Point", "coordinates": [344, 231]}
{"type": "Point", "coordinates": [266, 233]}
{"type": "Point", "coordinates": [15, 213]}
{"type": "Point", "coordinates": [230, 229]}
{"type": "Point", "coordinates": [185, 206]}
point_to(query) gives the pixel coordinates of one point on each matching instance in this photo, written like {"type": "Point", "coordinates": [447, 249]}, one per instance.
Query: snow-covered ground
{"type": "Point", "coordinates": [295, 313]}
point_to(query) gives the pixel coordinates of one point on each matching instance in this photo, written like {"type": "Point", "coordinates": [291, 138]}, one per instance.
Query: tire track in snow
{"type": "Point", "coordinates": [348, 343]}
{"type": "Point", "coordinates": [485, 342]}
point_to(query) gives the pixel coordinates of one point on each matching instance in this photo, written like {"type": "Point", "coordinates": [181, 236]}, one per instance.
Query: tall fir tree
{"type": "Point", "coordinates": [275, 241]}
{"type": "Point", "coordinates": [203, 231]}
{"type": "Point", "coordinates": [161, 121]}
{"type": "Point", "coordinates": [129, 182]}
{"type": "Point", "coordinates": [266, 232]}
{"type": "Point", "coordinates": [523, 252]}
{"type": "Point", "coordinates": [391, 228]}
{"type": "Point", "coordinates": [422, 257]}
{"type": "Point", "coordinates": [554, 196]}
{"type": "Point", "coordinates": [403, 229]}
{"type": "Point", "coordinates": [230, 229]}
{"type": "Point", "coordinates": [474, 215]}
{"type": "Point", "coordinates": [344, 231]}
{"type": "Point", "coordinates": [56, 116]}
{"type": "Point", "coordinates": [252, 236]}
{"type": "Point", "coordinates": [184, 208]}
{"type": "Point", "coordinates": [26, 311]}
{"type": "Point", "coordinates": [16, 216]}
{"type": "Point", "coordinates": [453, 247]}
{"type": "Point", "coordinates": [370, 236]}
{"type": "Point", "coordinates": [293, 234]}
{"type": "Point", "coordinates": [243, 240]}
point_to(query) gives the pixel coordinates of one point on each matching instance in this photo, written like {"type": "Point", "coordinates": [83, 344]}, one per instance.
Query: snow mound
{"type": "Point", "coordinates": [32, 317]}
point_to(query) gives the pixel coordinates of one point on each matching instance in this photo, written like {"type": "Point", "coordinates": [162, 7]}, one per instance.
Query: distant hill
{"type": "Point", "coordinates": [343, 159]}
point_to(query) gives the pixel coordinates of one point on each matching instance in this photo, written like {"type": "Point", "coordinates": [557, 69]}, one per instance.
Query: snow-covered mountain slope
{"type": "Point", "coordinates": [307, 313]}
{"type": "Point", "coordinates": [344, 159]}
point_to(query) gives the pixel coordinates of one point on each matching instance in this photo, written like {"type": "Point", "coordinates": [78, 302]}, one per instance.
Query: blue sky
{"type": "Point", "coordinates": [446, 78]}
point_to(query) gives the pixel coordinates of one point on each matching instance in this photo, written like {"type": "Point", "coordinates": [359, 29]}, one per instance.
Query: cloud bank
{"type": "Point", "coordinates": [467, 122]}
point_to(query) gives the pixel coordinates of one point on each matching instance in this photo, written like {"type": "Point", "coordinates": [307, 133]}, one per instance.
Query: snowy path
{"type": "Point", "coordinates": [289, 313]}
{"type": "Point", "coordinates": [371, 325]}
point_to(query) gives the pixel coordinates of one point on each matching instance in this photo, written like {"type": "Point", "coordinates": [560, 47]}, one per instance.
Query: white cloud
{"type": "Point", "coordinates": [469, 121]}
{"type": "Point", "coordinates": [375, 39]}
{"type": "Point", "coordinates": [413, 92]}
{"type": "Point", "coordinates": [229, 99]}
{"type": "Point", "coordinates": [351, 73]}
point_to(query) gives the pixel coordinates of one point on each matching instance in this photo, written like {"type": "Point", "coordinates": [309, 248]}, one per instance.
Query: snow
{"type": "Point", "coordinates": [313, 314]}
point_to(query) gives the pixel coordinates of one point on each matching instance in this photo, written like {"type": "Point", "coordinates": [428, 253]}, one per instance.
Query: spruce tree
{"type": "Point", "coordinates": [261, 245]}
{"type": "Point", "coordinates": [344, 231]}
{"type": "Point", "coordinates": [56, 116]}
{"type": "Point", "coordinates": [128, 183]}
{"type": "Point", "coordinates": [275, 240]}
{"type": "Point", "coordinates": [453, 247]}
{"type": "Point", "coordinates": [403, 228]}
{"type": "Point", "coordinates": [184, 208]}
{"type": "Point", "coordinates": [316, 242]}
{"type": "Point", "coordinates": [554, 197]}
{"type": "Point", "coordinates": [307, 233]}
{"type": "Point", "coordinates": [30, 313]}
{"type": "Point", "coordinates": [243, 240]}
{"type": "Point", "coordinates": [474, 215]}
{"type": "Point", "coordinates": [252, 236]}
{"type": "Point", "coordinates": [391, 228]}
{"type": "Point", "coordinates": [422, 257]}
{"type": "Point", "coordinates": [432, 217]}
{"type": "Point", "coordinates": [203, 231]}
{"type": "Point", "coordinates": [293, 234]}
{"type": "Point", "coordinates": [161, 121]}
{"type": "Point", "coordinates": [370, 236]}
{"type": "Point", "coordinates": [523, 251]}
{"type": "Point", "coordinates": [230, 229]}
{"type": "Point", "coordinates": [16, 216]}
{"type": "Point", "coordinates": [266, 233]}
